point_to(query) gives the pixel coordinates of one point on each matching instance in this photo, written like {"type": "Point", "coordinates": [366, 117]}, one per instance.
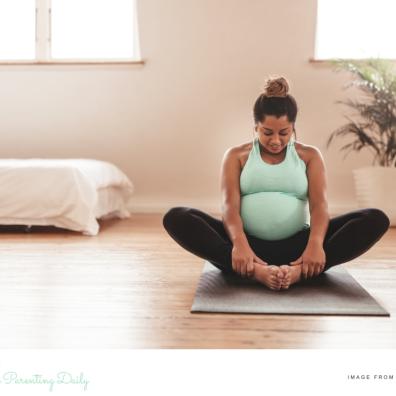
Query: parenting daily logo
{"type": "Point", "coordinates": [62, 378]}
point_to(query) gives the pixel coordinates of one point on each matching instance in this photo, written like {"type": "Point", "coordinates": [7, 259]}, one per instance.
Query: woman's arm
{"type": "Point", "coordinates": [231, 196]}
{"type": "Point", "coordinates": [313, 258]}
{"type": "Point", "coordinates": [318, 207]}
{"type": "Point", "coordinates": [244, 259]}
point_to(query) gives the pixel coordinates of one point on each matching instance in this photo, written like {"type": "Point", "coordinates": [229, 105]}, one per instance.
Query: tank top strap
{"type": "Point", "coordinates": [290, 149]}
{"type": "Point", "coordinates": [255, 153]}
{"type": "Point", "coordinates": [293, 153]}
{"type": "Point", "coordinates": [255, 148]}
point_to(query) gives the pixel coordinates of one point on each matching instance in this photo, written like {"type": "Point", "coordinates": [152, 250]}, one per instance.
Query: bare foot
{"type": "Point", "coordinates": [292, 274]}
{"type": "Point", "coordinates": [268, 275]}
{"type": "Point", "coordinates": [286, 276]}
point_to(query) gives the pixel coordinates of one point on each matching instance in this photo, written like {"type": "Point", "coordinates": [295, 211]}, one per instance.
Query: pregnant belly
{"type": "Point", "coordinates": [273, 215]}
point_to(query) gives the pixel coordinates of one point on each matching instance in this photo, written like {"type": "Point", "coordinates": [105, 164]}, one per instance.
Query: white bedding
{"type": "Point", "coordinates": [67, 193]}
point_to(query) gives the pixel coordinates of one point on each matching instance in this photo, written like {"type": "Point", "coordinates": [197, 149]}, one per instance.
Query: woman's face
{"type": "Point", "coordinates": [274, 133]}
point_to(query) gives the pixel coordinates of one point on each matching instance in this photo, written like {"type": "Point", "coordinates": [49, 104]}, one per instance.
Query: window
{"type": "Point", "coordinates": [355, 29]}
{"type": "Point", "coordinates": [17, 29]}
{"type": "Point", "coordinates": [46, 31]}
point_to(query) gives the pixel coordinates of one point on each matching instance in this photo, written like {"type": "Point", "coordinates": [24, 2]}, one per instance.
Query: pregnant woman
{"type": "Point", "coordinates": [267, 232]}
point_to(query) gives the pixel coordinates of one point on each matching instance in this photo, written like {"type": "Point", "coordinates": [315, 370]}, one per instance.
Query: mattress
{"type": "Point", "coordinates": [67, 193]}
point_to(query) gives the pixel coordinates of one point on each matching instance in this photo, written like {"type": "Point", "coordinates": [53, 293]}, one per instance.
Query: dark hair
{"type": "Point", "coordinates": [275, 100]}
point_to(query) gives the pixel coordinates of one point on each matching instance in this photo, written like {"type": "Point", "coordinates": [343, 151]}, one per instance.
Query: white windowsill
{"type": "Point", "coordinates": [72, 62]}
{"type": "Point", "coordinates": [313, 60]}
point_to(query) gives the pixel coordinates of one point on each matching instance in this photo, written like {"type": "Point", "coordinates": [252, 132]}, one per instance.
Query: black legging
{"type": "Point", "coordinates": [347, 237]}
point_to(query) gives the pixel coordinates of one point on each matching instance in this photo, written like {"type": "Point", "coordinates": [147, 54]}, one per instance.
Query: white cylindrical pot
{"type": "Point", "coordinates": [375, 187]}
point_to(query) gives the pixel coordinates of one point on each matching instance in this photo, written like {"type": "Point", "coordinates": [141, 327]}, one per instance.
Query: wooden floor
{"type": "Point", "coordinates": [132, 287]}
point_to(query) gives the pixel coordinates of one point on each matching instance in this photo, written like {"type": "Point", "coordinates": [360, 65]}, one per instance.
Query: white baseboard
{"type": "Point", "coordinates": [163, 206]}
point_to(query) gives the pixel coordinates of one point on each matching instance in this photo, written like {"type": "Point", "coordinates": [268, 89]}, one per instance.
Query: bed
{"type": "Point", "coordinates": [65, 193]}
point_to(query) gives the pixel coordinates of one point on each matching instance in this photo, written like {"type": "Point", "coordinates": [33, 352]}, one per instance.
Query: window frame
{"type": "Point", "coordinates": [43, 44]}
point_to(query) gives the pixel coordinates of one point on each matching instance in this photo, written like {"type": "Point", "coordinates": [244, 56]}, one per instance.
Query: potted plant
{"type": "Point", "coordinates": [374, 130]}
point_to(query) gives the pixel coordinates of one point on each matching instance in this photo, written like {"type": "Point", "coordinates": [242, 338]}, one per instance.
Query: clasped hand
{"type": "Point", "coordinates": [313, 261]}
{"type": "Point", "coordinates": [244, 259]}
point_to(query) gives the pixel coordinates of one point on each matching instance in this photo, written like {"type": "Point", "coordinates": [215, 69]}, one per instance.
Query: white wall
{"type": "Point", "coordinates": [168, 123]}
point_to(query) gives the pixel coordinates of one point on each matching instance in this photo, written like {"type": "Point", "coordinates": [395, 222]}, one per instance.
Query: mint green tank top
{"type": "Point", "coordinates": [274, 197]}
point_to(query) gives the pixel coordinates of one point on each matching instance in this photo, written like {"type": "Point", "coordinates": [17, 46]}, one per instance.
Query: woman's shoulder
{"type": "Point", "coordinates": [306, 151]}
{"type": "Point", "coordinates": [241, 151]}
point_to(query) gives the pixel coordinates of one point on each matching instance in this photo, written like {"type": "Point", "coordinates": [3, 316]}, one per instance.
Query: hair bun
{"type": "Point", "coordinates": [277, 87]}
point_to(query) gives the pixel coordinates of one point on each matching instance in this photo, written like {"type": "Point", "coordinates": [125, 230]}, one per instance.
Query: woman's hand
{"type": "Point", "coordinates": [313, 260]}
{"type": "Point", "coordinates": [243, 259]}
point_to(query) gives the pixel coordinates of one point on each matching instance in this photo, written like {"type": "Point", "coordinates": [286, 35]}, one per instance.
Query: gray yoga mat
{"type": "Point", "coordinates": [334, 292]}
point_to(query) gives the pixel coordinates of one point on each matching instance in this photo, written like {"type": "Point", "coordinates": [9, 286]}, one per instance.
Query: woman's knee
{"type": "Point", "coordinates": [173, 215]}
{"type": "Point", "coordinates": [378, 219]}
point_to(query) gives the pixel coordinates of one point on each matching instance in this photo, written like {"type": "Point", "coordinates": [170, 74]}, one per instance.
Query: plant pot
{"type": "Point", "coordinates": [375, 187]}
